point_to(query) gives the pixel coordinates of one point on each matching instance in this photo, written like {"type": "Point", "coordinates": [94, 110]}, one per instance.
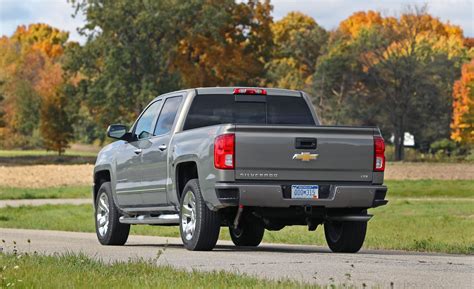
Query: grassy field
{"type": "Point", "coordinates": [408, 188]}
{"type": "Point", "coordinates": [431, 225]}
{"type": "Point", "coordinates": [30, 153]}
{"type": "Point", "coordinates": [425, 215]}
{"type": "Point", "coordinates": [78, 271]}
{"type": "Point", "coordinates": [42, 157]}
{"type": "Point", "coordinates": [68, 192]}
{"type": "Point", "coordinates": [430, 188]}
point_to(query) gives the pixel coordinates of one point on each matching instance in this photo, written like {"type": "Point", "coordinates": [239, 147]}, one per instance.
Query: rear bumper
{"type": "Point", "coordinates": [265, 195]}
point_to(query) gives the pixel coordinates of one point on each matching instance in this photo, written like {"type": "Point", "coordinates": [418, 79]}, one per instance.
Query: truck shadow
{"type": "Point", "coordinates": [291, 249]}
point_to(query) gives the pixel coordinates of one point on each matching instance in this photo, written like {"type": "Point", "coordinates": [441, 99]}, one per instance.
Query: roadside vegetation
{"type": "Point", "coordinates": [422, 215]}
{"type": "Point", "coordinates": [430, 188]}
{"type": "Point", "coordinates": [43, 157]}
{"type": "Point", "coordinates": [80, 271]}
{"type": "Point", "coordinates": [39, 153]}
{"type": "Point", "coordinates": [367, 70]}
{"type": "Point", "coordinates": [426, 225]}
{"type": "Point", "coordinates": [67, 192]}
{"type": "Point", "coordinates": [397, 188]}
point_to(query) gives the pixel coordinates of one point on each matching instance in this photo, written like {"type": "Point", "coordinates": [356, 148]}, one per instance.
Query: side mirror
{"type": "Point", "coordinates": [118, 131]}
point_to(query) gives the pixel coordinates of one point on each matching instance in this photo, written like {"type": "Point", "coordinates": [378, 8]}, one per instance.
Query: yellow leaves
{"type": "Point", "coordinates": [361, 20]}
{"type": "Point", "coordinates": [233, 56]}
{"type": "Point", "coordinates": [41, 37]}
{"type": "Point", "coordinates": [286, 29]}
{"type": "Point", "coordinates": [463, 106]}
{"type": "Point", "coordinates": [50, 78]}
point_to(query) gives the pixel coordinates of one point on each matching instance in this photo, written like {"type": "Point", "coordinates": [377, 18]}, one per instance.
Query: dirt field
{"type": "Point", "coordinates": [42, 176]}
{"type": "Point", "coordinates": [438, 171]}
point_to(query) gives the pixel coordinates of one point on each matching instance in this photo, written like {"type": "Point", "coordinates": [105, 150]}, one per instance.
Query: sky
{"type": "Point", "coordinates": [328, 13]}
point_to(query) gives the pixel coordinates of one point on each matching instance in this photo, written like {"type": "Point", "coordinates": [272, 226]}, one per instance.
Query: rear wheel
{"type": "Point", "coordinates": [108, 228]}
{"type": "Point", "coordinates": [249, 233]}
{"type": "Point", "coordinates": [345, 237]}
{"type": "Point", "coordinates": [199, 226]}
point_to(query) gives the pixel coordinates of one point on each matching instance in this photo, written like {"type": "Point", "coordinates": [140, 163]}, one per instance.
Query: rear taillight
{"type": "Point", "coordinates": [224, 151]}
{"type": "Point", "coordinates": [379, 154]}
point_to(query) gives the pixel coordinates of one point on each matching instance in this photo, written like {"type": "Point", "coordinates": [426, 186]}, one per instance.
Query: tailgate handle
{"type": "Point", "coordinates": [305, 143]}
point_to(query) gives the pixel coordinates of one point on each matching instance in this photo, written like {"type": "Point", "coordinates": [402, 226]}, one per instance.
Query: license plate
{"type": "Point", "coordinates": [304, 191]}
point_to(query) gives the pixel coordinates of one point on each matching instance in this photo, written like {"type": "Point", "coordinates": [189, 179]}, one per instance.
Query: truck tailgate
{"type": "Point", "coordinates": [299, 153]}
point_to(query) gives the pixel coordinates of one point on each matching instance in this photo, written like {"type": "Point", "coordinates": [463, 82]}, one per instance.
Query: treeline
{"type": "Point", "coordinates": [411, 73]}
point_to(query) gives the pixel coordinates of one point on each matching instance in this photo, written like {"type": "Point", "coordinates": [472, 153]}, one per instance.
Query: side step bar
{"type": "Point", "coordinates": [355, 218]}
{"type": "Point", "coordinates": [144, 219]}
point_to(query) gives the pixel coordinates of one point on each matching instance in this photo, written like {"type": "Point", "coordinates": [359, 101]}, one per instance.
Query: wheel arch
{"type": "Point", "coordinates": [100, 177]}
{"type": "Point", "coordinates": [185, 171]}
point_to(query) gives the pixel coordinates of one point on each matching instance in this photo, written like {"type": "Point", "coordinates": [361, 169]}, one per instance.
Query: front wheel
{"type": "Point", "coordinates": [199, 226]}
{"type": "Point", "coordinates": [107, 226]}
{"type": "Point", "coordinates": [345, 237]}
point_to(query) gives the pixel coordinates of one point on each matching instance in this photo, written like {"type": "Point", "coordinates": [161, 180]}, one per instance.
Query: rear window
{"type": "Point", "coordinates": [207, 110]}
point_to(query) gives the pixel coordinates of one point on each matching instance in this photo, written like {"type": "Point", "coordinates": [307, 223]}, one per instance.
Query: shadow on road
{"type": "Point", "coordinates": [229, 248]}
{"type": "Point", "coordinates": [292, 249]}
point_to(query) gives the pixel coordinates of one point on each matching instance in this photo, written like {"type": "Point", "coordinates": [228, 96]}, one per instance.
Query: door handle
{"type": "Point", "coordinates": [138, 151]}
{"type": "Point", "coordinates": [162, 147]}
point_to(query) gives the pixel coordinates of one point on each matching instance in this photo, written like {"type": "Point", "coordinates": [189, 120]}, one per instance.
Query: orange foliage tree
{"type": "Point", "coordinates": [463, 106]}
{"type": "Point", "coordinates": [30, 74]}
{"type": "Point", "coordinates": [409, 62]}
{"type": "Point", "coordinates": [230, 52]}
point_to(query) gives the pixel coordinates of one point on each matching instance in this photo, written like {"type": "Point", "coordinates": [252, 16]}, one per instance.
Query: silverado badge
{"type": "Point", "coordinates": [305, 157]}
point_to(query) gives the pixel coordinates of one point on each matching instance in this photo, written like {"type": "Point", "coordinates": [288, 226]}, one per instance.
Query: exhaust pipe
{"type": "Point", "coordinates": [350, 218]}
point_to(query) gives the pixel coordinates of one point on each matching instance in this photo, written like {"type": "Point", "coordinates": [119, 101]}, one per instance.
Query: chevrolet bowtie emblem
{"type": "Point", "coordinates": [305, 157]}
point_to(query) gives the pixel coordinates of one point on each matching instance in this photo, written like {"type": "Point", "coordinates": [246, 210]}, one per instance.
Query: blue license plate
{"type": "Point", "coordinates": [304, 191]}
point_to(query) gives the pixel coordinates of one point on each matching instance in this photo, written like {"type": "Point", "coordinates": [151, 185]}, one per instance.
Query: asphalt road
{"type": "Point", "coordinates": [275, 261]}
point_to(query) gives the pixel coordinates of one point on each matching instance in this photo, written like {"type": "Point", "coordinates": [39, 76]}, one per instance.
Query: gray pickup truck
{"type": "Point", "coordinates": [249, 159]}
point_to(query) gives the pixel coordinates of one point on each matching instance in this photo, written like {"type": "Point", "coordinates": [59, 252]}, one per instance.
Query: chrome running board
{"type": "Point", "coordinates": [145, 219]}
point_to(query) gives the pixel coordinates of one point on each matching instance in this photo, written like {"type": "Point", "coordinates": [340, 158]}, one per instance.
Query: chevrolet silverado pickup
{"type": "Point", "coordinates": [250, 159]}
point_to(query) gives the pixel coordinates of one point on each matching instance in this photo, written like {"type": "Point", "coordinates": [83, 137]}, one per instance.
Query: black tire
{"type": "Point", "coordinates": [249, 234]}
{"type": "Point", "coordinates": [207, 222]}
{"type": "Point", "coordinates": [116, 233]}
{"type": "Point", "coordinates": [345, 237]}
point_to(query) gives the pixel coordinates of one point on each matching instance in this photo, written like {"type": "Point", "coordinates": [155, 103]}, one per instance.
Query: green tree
{"type": "Point", "coordinates": [137, 50]}
{"type": "Point", "coordinates": [126, 60]}
{"type": "Point", "coordinates": [298, 42]}
{"type": "Point", "coordinates": [396, 73]}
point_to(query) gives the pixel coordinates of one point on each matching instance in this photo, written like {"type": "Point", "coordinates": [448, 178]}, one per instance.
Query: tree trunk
{"type": "Point", "coordinates": [399, 139]}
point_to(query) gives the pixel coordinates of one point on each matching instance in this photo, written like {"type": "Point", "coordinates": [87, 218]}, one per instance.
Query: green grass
{"type": "Point", "coordinates": [70, 192]}
{"type": "Point", "coordinates": [27, 153]}
{"type": "Point", "coordinates": [408, 188]}
{"type": "Point", "coordinates": [417, 225]}
{"type": "Point", "coordinates": [79, 271]}
{"type": "Point", "coordinates": [430, 188]}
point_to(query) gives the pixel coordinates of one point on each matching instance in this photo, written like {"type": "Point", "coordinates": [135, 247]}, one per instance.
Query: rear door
{"type": "Point", "coordinates": [316, 153]}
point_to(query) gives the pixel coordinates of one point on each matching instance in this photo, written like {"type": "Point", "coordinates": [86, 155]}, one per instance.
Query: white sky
{"type": "Point", "coordinates": [328, 13]}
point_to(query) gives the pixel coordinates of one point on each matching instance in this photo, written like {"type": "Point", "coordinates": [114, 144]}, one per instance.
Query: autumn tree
{"type": "Point", "coordinates": [24, 58]}
{"type": "Point", "coordinates": [229, 47]}
{"type": "Point", "coordinates": [137, 50]}
{"type": "Point", "coordinates": [395, 73]}
{"type": "Point", "coordinates": [127, 58]}
{"type": "Point", "coordinates": [298, 42]}
{"type": "Point", "coordinates": [462, 124]}
{"type": "Point", "coordinates": [55, 125]}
